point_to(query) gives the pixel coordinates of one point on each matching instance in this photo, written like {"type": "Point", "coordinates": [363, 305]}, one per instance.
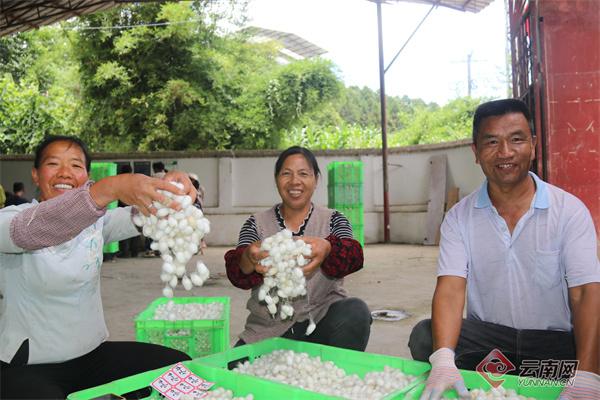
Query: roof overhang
{"type": "Point", "coordinates": [290, 42]}
{"type": "Point", "coordinates": [473, 6]}
{"type": "Point", "coordinates": [20, 16]}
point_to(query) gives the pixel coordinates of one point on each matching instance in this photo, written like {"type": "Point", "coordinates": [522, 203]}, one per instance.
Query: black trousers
{"type": "Point", "coordinates": [109, 361]}
{"type": "Point", "coordinates": [347, 325]}
{"type": "Point", "coordinates": [478, 338]}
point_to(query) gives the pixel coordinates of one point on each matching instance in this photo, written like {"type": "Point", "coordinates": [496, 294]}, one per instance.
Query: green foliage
{"type": "Point", "coordinates": [26, 116]}
{"type": "Point", "coordinates": [161, 76]}
{"type": "Point", "coordinates": [16, 56]}
{"type": "Point", "coordinates": [420, 124]}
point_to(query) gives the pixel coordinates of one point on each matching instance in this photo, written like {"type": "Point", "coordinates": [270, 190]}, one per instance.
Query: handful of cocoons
{"type": "Point", "coordinates": [177, 235]}
{"type": "Point", "coordinates": [310, 373]}
{"type": "Point", "coordinates": [284, 280]}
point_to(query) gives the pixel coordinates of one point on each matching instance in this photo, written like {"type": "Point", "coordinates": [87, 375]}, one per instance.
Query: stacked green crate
{"type": "Point", "coordinates": [98, 171]}
{"type": "Point", "coordinates": [345, 193]}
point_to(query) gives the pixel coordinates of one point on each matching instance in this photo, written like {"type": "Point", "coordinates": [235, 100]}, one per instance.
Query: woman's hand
{"type": "Point", "coordinates": [320, 251]}
{"type": "Point", "coordinates": [183, 178]}
{"type": "Point", "coordinates": [135, 190]}
{"type": "Point", "coordinates": [251, 257]}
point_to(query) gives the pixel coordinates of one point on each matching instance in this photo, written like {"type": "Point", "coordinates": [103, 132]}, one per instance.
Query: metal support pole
{"type": "Point", "coordinates": [384, 152]}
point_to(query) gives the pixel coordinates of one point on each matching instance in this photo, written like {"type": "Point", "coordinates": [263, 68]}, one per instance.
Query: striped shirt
{"type": "Point", "coordinates": [339, 226]}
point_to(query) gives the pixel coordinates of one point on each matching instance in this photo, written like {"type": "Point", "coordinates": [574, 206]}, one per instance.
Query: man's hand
{"type": "Point", "coordinates": [586, 386]}
{"type": "Point", "coordinates": [320, 251]}
{"type": "Point", "coordinates": [443, 376]}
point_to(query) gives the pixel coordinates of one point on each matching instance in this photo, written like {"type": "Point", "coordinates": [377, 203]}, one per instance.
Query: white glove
{"type": "Point", "coordinates": [586, 386]}
{"type": "Point", "coordinates": [443, 376]}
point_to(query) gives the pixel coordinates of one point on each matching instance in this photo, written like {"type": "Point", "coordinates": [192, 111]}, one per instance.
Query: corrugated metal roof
{"type": "Point", "coordinates": [19, 16]}
{"type": "Point", "coordinates": [461, 5]}
{"type": "Point", "coordinates": [290, 41]}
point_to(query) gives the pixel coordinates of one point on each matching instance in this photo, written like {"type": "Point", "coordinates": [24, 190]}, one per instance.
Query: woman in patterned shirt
{"type": "Point", "coordinates": [341, 321]}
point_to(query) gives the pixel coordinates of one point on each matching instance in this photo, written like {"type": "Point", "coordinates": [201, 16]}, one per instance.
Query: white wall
{"type": "Point", "coordinates": [240, 183]}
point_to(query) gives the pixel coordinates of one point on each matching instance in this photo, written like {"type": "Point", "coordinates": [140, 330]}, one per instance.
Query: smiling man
{"type": "Point", "coordinates": [524, 253]}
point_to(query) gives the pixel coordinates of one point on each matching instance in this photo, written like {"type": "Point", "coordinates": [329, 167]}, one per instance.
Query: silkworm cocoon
{"type": "Point", "coordinates": [168, 268]}
{"type": "Point", "coordinates": [164, 277]}
{"type": "Point", "coordinates": [301, 261]}
{"type": "Point", "coordinates": [173, 282]}
{"type": "Point", "coordinates": [262, 293]}
{"type": "Point", "coordinates": [180, 270]}
{"type": "Point", "coordinates": [298, 273]}
{"type": "Point", "coordinates": [147, 230]}
{"type": "Point", "coordinates": [180, 256]}
{"type": "Point", "coordinates": [196, 280]}
{"type": "Point", "coordinates": [138, 219]}
{"type": "Point", "coordinates": [272, 308]}
{"type": "Point", "coordinates": [311, 327]}
{"type": "Point", "coordinates": [268, 299]}
{"type": "Point", "coordinates": [186, 201]}
{"type": "Point", "coordinates": [163, 212]}
{"type": "Point", "coordinates": [154, 246]}
{"type": "Point", "coordinates": [163, 247]}
{"type": "Point", "coordinates": [187, 283]}
{"type": "Point", "coordinates": [167, 291]}
{"type": "Point", "coordinates": [288, 309]}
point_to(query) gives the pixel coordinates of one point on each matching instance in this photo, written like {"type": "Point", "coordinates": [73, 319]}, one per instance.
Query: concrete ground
{"type": "Point", "coordinates": [395, 277]}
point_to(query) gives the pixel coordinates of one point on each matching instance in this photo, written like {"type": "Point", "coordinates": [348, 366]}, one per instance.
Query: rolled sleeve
{"type": "Point", "coordinates": [453, 259]}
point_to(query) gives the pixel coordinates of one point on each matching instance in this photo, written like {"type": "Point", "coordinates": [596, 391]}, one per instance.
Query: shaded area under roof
{"type": "Point", "coordinates": [20, 16]}
{"type": "Point", "coordinates": [289, 41]}
{"type": "Point", "coordinates": [461, 5]}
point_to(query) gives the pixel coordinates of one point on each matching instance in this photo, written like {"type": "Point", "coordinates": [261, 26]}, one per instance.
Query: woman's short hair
{"type": "Point", "coordinates": [48, 140]}
{"type": "Point", "coordinates": [497, 108]}
{"type": "Point", "coordinates": [308, 155]}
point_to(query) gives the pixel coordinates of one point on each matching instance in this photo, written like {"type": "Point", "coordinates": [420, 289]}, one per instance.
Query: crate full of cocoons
{"type": "Point", "coordinates": [197, 326]}
{"type": "Point", "coordinates": [326, 371]}
{"type": "Point", "coordinates": [227, 386]}
{"type": "Point", "coordinates": [510, 389]}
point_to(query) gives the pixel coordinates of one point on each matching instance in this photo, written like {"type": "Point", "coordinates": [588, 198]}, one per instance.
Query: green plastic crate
{"type": "Point", "coordinates": [345, 172]}
{"type": "Point", "coordinates": [99, 170]}
{"type": "Point", "coordinates": [241, 385]}
{"type": "Point", "coordinates": [475, 381]}
{"type": "Point", "coordinates": [344, 194]}
{"type": "Point", "coordinates": [353, 362]}
{"type": "Point", "coordinates": [195, 337]}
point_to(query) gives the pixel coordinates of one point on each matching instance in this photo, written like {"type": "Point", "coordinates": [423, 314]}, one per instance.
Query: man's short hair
{"type": "Point", "coordinates": [497, 108]}
{"type": "Point", "coordinates": [18, 187]}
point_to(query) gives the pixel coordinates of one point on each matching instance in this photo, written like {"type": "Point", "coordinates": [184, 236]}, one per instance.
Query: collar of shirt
{"type": "Point", "coordinates": [541, 199]}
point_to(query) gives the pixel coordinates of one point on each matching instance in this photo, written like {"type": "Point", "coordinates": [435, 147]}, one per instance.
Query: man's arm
{"type": "Point", "coordinates": [585, 309]}
{"type": "Point", "coordinates": [447, 310]}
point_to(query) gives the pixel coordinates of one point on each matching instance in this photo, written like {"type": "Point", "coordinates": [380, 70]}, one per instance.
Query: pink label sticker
{"type": "Point", "coordinates": [193, 380]}
{"type": "Point", "coordinates": [185, 387]}
{"type": "Point", "coordinates": [181, 370]}
{"type": "Point", "coordinates": [205, 385]}
{"type": "Point", "coordinates": [171, 377]}
{"type": "Point", "coordinates": [179, 380]}
{"type": "Point", "coordinates": [161, 385]}
{"type": "Point", "coordinates": [173, 394]}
